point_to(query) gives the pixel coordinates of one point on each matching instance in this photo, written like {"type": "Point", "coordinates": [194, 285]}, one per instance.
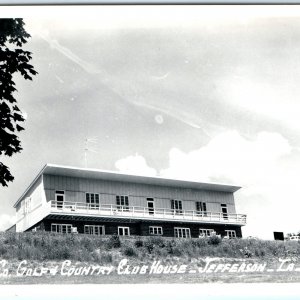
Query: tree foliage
{"type": "Point", "coordinates": [13, 60]}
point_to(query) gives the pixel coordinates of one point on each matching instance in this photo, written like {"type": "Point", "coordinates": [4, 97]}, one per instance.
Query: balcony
{"type": "Point", "coordinates": [144, 213]}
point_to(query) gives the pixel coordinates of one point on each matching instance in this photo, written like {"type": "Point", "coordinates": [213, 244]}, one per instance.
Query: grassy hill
{"type": "Point", "coordinates": [49, 250]}
{"type": "Point", "coordinates": [51, 246]}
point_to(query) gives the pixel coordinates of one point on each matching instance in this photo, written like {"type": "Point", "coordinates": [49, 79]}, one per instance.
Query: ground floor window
{"type": "Point", "coordinates": [205, 232]}
{"type": "Point", "coordinates": [182, 232]}
{"type": "Point", "coordinates": [230, 234]}
{"type": "Point", "coordinates": [155, 230]}
{"type": "Point", "coordinates": [94, 229]}
{"type": "Point", "coordinates": [61, 228]}
{"type": "Point", "coordinates": [123, 230]}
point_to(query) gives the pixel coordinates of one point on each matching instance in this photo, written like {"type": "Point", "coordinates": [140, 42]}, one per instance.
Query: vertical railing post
{"type": "Point", "coordinates": [133, 211]}
{"type": "Point", "coordinates": [111, 210]}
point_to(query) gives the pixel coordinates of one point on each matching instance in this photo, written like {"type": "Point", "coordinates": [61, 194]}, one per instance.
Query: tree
{"type": "Point", "coordinates": [13, 60]}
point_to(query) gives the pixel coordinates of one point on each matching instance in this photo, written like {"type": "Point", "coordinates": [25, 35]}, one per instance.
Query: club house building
{"type": "Point", "coordinates": [89, 201]}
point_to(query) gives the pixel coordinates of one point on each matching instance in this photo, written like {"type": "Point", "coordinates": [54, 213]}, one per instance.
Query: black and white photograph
{"type": "Point", "coordinates": [149, 144]}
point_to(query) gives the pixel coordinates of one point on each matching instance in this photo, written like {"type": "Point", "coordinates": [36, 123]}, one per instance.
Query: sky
{"type": "Point", "coordinates": [202, 93]}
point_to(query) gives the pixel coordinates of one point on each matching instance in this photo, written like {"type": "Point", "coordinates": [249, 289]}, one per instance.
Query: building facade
{"type": "Point", "coordinates": [87, 201]}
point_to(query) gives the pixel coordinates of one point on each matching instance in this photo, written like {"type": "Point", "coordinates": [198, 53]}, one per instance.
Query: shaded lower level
{"type": "Point", "coordinates": [102, 226]}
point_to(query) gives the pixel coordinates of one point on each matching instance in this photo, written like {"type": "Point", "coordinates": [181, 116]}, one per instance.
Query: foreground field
{"type": "Point", "coordinates": [45, 258]}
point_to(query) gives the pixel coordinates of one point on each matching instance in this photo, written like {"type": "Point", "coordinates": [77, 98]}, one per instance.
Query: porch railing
{"type": "Point", "coordinates": [146, 213]}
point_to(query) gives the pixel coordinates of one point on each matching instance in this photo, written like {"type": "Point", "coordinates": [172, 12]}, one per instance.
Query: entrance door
{"type": "Point", "coordinates": [150, 205]}
{"type": "Point", "coordinates": [224, 211]}
{"type": "Point", "coordinates": [59, 198]}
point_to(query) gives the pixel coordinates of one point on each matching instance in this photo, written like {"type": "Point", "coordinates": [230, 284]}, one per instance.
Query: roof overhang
{"type": "Point", "coordinates": [59, 170]}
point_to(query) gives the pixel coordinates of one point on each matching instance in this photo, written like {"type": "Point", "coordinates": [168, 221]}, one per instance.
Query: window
{"type": "Point", "coordinates": [155, 230]}
{"type": "Point", "coordinates": [94, 229]}
{"type": "Point", "coordinates": [61, 228]}
{"type": "Point", "coordinates": [201, 208]}
{"type": "Point", "coordinates": [122, 202]}
{"type": "Point", "coordinates": [123, 231]}
{"type": "Point", "coordinates": [205, 232]}
{"type": "Point", "coordinates": [230, 234]}
{"type": "Point", "coordinates": [92, 200]}
{"type": "Point", "coordinates": [176, 205]}
{"type": "Point", "coordinates": [182, 232]}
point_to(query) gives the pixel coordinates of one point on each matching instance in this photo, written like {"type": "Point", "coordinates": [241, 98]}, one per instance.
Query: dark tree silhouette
{"type": "Point", "coordinates": [13, 60]}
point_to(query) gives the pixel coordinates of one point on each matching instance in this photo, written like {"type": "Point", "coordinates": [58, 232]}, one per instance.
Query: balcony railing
{"type": "Point", "coordinates": [136, 212]}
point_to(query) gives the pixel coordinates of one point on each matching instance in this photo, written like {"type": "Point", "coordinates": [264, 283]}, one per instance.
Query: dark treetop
{"type": "Point", "coordinates": [13, 59]}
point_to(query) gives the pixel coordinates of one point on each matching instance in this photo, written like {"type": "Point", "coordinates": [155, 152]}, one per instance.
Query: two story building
{"type": "Point", "coordinates": [89, 201]}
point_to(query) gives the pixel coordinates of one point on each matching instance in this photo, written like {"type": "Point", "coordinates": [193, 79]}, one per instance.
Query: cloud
{"type": "Point", "coordinates": [231, 157]}
{"type": "Point", "coordinates": [135, 165]}
{"type": "Point", "coordinates": [265, 168]}
{"type": "Point", "coordinates": [6, 221]}
{"type": "Point", "coordinates": [278, 101]}
{"type": "Point", "coordinates": [89, 68]}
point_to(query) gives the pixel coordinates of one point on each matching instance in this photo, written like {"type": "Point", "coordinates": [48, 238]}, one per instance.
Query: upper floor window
{"type": "Point", "coordinates": [122, 202]}
{"type": "Point", "coordinates": [176, 205]}
{"type": "Point", "coordinates": [92, 200]}
{"type": "Point", "coordinates": [201, 208]}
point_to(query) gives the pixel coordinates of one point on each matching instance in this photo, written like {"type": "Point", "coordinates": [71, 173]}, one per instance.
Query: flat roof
{"type": "Point", "coordinates": [59, 170]}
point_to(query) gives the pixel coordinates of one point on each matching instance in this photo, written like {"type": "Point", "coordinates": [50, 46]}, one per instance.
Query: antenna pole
{"type": "Point", "coordinates": [85, 153]}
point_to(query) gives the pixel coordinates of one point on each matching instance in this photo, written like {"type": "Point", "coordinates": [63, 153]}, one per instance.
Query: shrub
{"type": "Point", "coordinates": [138, 243]}
{"type": "Point", "coordinates": [114, 241]}
{"type": "Point", "coordinates": [177, 251]}
{"type": "Point", "coordinates": [199, 243]}
{"type": "Point", "coordinates": [214, 240]}
{"type": "Point", "coordinates": [149, 245]}
{"type": "Point", "coordinates": [129, 251]}
{"type": "Point", "coordinates": [106, 258]}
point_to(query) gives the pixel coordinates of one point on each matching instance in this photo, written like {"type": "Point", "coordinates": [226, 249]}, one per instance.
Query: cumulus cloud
{"type": "Point", "coordinates": [135, 165]}
{"type": "Point", "coordinates": [230, 157]}
{"type": "Point", "coordinates": [261, 166]}
{"type": "Point", "coordinates": [6, 221]}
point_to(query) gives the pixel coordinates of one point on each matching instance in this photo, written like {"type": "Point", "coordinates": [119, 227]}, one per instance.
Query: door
{"type": "Point", "coordinates": [150, 205]}
{"type": "Point", "coordinates": [59, 198]}
{"type": "Point", "coordinates": [224, 211]}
